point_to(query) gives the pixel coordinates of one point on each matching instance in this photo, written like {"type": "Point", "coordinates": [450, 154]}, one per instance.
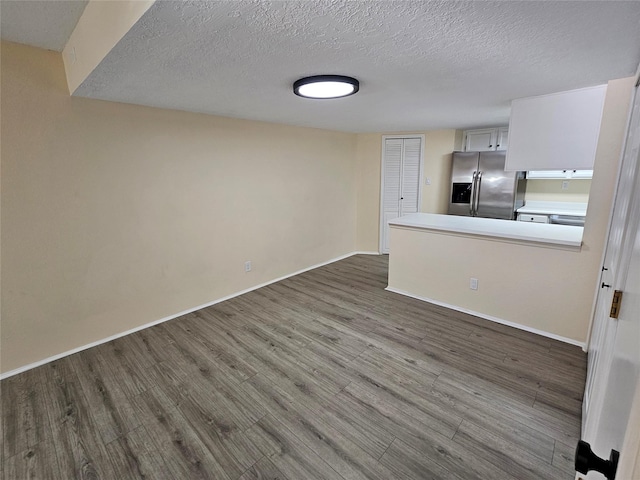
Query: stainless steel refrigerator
{"type": "Point", "coordinates": [481, 188]}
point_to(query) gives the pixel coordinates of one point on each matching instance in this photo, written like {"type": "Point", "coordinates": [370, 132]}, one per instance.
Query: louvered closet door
{"type": "Point", "coordinates": [410, 176]}
{"type": "Point", "coordinates": [391, 195]}
{"type": "Point", "coordinates": [401, 170]}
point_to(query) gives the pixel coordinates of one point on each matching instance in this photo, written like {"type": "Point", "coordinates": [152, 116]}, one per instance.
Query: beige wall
{"type": "Point", "coordinates": [438, 146]}
{"type": "Point", "coordinates": [530, 286]}
{"type": "Point", "coordinates": [551, 191]}
{"type": "Point", "coordinates": [541, 288]}
{"type": "Point", "coordinates": [368, 164]}
{"type": "Point", "coordinates": [118, 215]}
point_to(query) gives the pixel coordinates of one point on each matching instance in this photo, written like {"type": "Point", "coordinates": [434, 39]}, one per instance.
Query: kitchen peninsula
{"type": "Point", "coordinates": [557, 236]}
{"type": "Point", "coordinates": [530, 276]}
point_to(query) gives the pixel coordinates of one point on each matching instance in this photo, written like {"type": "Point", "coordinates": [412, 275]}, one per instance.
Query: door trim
{"type": "Point", "coordinates": [598, 373]}
{"type": "Point", "coordinates": [421, 136]}
{"type": "Point", "coordinates": [616, 191]}
{"type": "Point", "coordinates": [629, 464]}
{"type": "Point", "coordinates": [630, 454]}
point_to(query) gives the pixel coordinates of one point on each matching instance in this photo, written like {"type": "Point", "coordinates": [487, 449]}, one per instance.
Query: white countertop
{"type": "Point", "coordinates": [536, 233]}
{"type": "Point", "coordinates": [554, 208]}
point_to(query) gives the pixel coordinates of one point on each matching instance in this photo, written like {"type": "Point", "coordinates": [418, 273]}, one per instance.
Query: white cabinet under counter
{"type": "Point", "coordinates": [486, 139]}
{"type": "Point", "coordinates": [557, 213]}
{"type": "Point", "coordinates": [527, 217]}
{"type": "Point", "coordinates": [553, 208]}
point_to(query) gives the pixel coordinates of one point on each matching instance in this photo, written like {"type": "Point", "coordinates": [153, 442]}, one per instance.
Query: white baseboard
{"type": "Point", "coordinates": [171, 317]}
{"type": "Point", "coordinates": [491, 318]}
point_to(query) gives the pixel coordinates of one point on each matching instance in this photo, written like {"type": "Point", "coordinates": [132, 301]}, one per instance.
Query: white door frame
{"type": "Point", "coordinates": [599, 327]}
{"type": "Point", "coordinates": [421, 136]}
{"type": "Point", "coordinates": [629, 328]}
{"type": "Point", "coordinates": [611, 211]}
{"type": "Point", "coordinates": [629, 464]}
{"type": "Point", "coordinates": [625, 193]}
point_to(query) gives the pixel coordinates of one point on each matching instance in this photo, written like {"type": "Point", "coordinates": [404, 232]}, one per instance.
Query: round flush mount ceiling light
{"type": "Point", "coordinates": [326, 86]}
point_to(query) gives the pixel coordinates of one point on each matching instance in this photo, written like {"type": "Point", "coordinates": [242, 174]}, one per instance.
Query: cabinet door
{"type": "Point", "coordinates": [548, 174]}
{"type": "Point", "coordinates": [558, 131]}
{"type": "Point", "coordinates": [526, 217]}
{"type": "Point", "coordinates": [480, 140]}
{"type": "Point", "coordinates": [503, 138]}
{"type": "Point", "coordinates": [585, 174]}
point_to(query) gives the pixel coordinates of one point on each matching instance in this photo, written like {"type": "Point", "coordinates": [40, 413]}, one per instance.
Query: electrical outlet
{"type": "Point", "coordinates": [473, 283]}
{"type": "Point", "coordinates": [247, 266]}
{"type": "Point", "coordinates": [565, 184]}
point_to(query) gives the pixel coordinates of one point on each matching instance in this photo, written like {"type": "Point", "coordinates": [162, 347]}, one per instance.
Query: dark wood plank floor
{"type": "Point", "coordinates": [322, 376]}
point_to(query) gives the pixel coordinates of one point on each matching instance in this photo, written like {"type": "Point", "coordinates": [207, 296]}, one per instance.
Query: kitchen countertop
{"type": "Point", "coordinates": [541, 234]}
{"type": "Point", "coordinates": [554, 208]}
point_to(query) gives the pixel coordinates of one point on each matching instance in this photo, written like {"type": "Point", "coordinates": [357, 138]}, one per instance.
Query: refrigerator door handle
{"type": "Point", "coordinates": [472, 203]}
{"type": "Point", "coordinates": [477, 200]}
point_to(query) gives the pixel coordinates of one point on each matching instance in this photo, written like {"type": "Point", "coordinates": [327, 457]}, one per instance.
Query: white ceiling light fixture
{"type": "Point", "coordinates": [326, 86]}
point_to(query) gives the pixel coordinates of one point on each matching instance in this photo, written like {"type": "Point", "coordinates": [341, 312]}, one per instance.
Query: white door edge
{"type": "Point", "coordinates": [611, 210]}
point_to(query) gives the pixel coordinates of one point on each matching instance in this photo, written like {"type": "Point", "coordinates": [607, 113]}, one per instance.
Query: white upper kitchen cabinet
{"type": "Point", "coordinates": [503, 138]}
{"type": "Point", "coordinates": [486, 139]}
{"type": "Point", "coordinates": [555, 132]}
{"type": "Point", "coordinates": [480, 140]}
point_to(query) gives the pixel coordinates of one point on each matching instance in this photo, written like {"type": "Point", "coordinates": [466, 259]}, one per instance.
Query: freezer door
{"type": "Point", "coordinates": [496, 188]}
{"type": "Point", "coordinates": [465, 164]}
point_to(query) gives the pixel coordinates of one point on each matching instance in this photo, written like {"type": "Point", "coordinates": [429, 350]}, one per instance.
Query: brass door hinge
{"type": "Point", "coordinates": [615, 304]}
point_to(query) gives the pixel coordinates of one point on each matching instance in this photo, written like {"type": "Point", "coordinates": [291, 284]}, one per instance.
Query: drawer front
{"type": "Point", "coordinates": [525, 217]}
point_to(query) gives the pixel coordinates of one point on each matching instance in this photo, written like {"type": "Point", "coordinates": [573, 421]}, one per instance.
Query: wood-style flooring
{"type": "Point", "coordinates": [324, 375]}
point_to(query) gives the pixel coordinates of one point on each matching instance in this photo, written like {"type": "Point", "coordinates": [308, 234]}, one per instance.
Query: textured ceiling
{"type": "Point", "coordinates": [44, 24]}
{"type": "Point", "coordinates": [421, 64]}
